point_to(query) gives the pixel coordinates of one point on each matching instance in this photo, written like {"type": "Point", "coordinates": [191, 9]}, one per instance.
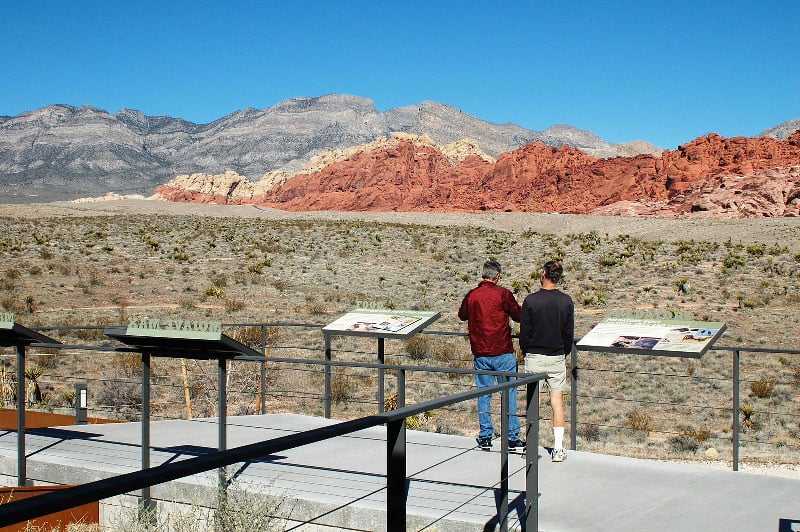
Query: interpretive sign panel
{"type": "Point", "coordinates": [6, 320]}
{"type": "Point", "coordinates": [12, 333]}
{"type": "Point", "coordinates": [180, 338]}
{"type": "Point", "coordinates": [382, 323]}
{"type": "Point", "coordinates": [175, 328]}
{"type": "Point", "coordinates": [653, 336]}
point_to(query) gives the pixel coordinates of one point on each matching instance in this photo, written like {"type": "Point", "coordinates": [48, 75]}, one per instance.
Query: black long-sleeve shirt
{"type": "Point", "coordinates": [547, 324]}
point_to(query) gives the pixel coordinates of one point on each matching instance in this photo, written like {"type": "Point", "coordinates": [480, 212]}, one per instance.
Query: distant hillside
{"type": "Point", "coordinates": [63, 152]}
{"type": "Point", "coordinates": [712, 177]}
{"type": "Point", "coordinates": [782, 131]}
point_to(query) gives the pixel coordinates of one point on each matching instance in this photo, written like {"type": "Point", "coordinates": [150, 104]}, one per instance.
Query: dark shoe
{"type": "Point", "coordinates": [516, 446]}
{"type": "Point", "coordinates": [484, 443]}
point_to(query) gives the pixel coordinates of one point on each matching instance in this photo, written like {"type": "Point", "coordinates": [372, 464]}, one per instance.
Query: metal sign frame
{"type": "Point", "coordinates": [653, 336]}
{"type": "Point", "coordinates": [13, 334]}
{"type": "Point", "coordinates": [378, 323]}
{"type": "Point", "coordinates": [181, 339]}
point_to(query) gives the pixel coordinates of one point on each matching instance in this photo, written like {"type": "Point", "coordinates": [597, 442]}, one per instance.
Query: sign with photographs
{"type": "Point", "coordinates": [653, 336]}
{"type": "Point", "coordinates": [382, 323]}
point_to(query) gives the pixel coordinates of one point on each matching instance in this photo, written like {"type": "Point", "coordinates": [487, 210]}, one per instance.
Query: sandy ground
{"type": "Point", "coordinates": [785, 231]}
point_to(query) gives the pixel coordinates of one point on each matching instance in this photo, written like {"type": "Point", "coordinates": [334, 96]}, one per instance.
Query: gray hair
{"type": "Point", "coordinates": [491, 269]}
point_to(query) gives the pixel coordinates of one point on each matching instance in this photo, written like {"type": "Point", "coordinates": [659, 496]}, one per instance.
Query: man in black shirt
{"type": "Point", "coordinates": [547, 329]}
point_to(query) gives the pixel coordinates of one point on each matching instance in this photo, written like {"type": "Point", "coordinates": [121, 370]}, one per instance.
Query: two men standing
{"type": "Point", "coordinates": [546, 334]}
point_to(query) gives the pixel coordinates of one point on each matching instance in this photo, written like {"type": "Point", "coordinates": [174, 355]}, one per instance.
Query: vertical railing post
{"type": "Point", "coordinates": [504, 413]}
{"type": "Point", "coordinates": [736, 360]}
{"type": "Point", "coordinates": [573, 400]}
{"type": "Point", "coordinates": [401, 388]}
{"type": "Point", "coordinates": [22, 470]}
{"type": "Point", "coordinates": [381, 391]}
{"type": "Point", "coordinates": [327, 397]}
{"type": "Point", "coordinates": [263, 398]}
{"type": "Point", "coordinates": [396, 476]}
{"type": "Point", "coordinates": [146, 502]}
{"type": "Point", "coordinates": [222, 428]}
{"type": "Point", "coordinates": [532, 457]}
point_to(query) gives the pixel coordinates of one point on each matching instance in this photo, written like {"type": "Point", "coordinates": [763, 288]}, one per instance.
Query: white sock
{"type": "Point", "coordinates": [558, 437]}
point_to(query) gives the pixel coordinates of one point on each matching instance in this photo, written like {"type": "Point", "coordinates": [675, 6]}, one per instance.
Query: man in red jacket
{"type": "Point", "coordinates": [486, 309]}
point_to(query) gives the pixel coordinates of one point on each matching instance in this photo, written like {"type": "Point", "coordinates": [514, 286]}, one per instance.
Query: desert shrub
{"type": "Point", "coordinates": [237, 509]}
{"type": "Point", "coordinates": [234, 305]}
{"type": "Point", "coordinates": [445, 353]}
{"type": "Point", "coordinates": [390, 402]}
{"type": "Point", "coordinates": [316, 309]}
{"type": "Point", "coordinates": [68, 397]}
{"type": "Point", "coordinates": [415, 422]}
{"type": "Point", "coordinates": [762, 388]}
{"type": "Point", "coordinates": [689, 439]}
{"type": "Point", "coordinates": [682, 285]}
{"type": "Point", "coordinates": [249, 336]}
{"type": "Point", "coordinates": [756, 250]}
{"type": "Point", "coordinates": [214, 291]}
{"type": "Point", "coordinates": [128, 364]}
{"type": "Point", "coordinates": [342, 388]}
{"type": "Point", "coordinates": [258, 267]}
{"type": "Point", "coordinates": [607, 261]}
{"type": "Point", "coordinates": [241, 510]}
{"type": "Point", "coordinates": [280, 285]}
{"type": "Point", "coordinates": [123, 398]}
{"type": "Point", "coordinates": [639, 421]}
{"type": "Point", "coordinates": [732, 260]}
{"type": "Point", "coordinates": [47, 360]}
{"type": "Point", "coordinates": [589, 432]}
{"type": "Point", "coordinates": [684, 443]}
{"type": "Point", "coordinates": [747, 411]}
{"type": "Point", "coordinates": [180, 256]}
{"type": "Point", "coordinates": [417, 347]}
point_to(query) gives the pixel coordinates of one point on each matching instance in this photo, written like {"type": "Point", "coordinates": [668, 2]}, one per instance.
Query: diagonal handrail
{"type": "Point", "coordinates": [31, 508]}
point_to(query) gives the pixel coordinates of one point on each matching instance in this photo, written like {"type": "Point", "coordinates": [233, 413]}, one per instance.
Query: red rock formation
{"type": "Point", "coordinates": [710, 176]}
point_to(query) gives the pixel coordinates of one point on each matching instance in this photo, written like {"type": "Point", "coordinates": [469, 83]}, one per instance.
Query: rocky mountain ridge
{"type": "Point", "coordinates": [64, 152]}
{"type": "Point", "coordinates": [712, 176]}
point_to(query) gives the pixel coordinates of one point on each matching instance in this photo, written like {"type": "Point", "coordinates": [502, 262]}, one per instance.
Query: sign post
{"type": "Point", "coordinates": [645, 333]}
{"type": "Point", "coordinates": [15, 335]}
{"type": "Point", "coordinates": [375, 323]}
{"type": "Point", "coordinates": [179, 338]}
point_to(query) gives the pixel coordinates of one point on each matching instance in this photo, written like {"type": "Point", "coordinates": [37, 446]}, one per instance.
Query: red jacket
{"type": "Point", "coordinates": [487, 308]}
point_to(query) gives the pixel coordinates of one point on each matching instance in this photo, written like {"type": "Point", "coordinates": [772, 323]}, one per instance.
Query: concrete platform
{"type": "Point", "coordinates": [341, 482]}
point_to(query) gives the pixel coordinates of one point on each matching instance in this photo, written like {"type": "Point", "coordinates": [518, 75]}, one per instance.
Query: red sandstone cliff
{"type": "Point", "coordinates": [710, 176]}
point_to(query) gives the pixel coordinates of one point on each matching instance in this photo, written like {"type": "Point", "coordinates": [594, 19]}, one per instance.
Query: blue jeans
{"type": "Point", "coordinates": [506, 362]}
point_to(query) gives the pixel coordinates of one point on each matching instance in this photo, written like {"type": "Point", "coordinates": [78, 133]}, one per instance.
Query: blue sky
{"type": "Point", "coordinates": [664, 72]}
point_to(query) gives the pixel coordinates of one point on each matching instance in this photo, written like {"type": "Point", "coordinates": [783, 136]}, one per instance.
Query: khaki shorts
{"type": "Point", "coordinates": [554, 366]}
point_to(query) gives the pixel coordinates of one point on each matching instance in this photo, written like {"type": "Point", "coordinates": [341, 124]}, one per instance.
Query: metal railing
{"type": "Point", "coordinates": [732, 411]}
{"type": "Point", "coordinates": [396, 478]}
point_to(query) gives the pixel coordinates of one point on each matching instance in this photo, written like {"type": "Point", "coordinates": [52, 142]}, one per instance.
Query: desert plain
{"type": "Point", "coordinates": [97, 264]}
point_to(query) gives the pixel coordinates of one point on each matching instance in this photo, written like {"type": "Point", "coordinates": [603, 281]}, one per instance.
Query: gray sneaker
{"type": "Point", "coordinates": [558, 455]}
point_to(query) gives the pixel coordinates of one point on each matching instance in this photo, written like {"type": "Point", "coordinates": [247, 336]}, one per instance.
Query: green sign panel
{"type": "Point", "coordinates": [174, 328]}
{"type": "Point", "coordinates": [6, 320]}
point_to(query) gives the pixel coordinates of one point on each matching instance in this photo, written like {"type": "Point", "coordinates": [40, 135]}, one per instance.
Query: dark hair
{"type": "Point", "coordinates": [491, 269]}
{"type": "Point", "coordinates": [553, 270]}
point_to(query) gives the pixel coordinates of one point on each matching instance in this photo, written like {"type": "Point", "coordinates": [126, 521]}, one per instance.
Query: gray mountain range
{"type": "Point", "coordinates": [62, 152]}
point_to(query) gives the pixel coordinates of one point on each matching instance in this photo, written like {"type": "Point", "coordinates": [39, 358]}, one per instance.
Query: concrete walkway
{"type": "Point", "coordinates": [341, 482]}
